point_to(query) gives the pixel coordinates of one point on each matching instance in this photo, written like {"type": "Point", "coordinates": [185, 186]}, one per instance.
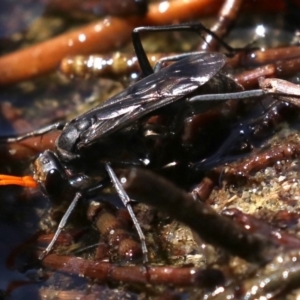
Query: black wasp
{"type": "Point", "coordinates": [91, 142]}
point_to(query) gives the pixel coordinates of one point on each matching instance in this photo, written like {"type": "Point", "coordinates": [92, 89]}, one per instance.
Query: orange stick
{"type": "Point", "coordinates": [101, 36]}
{"type": "Point", "coordinates": [26, 181]}
{"type": "Point", "coordinates": [108, 35]}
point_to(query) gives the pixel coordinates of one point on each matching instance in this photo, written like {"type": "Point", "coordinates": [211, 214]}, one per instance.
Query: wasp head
{"type": "Point", "coordinates": [50, 174]}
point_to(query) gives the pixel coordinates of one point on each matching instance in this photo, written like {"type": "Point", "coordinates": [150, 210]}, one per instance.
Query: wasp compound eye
{"type": "Point", "coordinates": [55, 183]}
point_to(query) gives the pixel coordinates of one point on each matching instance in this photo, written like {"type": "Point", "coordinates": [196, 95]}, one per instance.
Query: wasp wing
{"type": "Point", "coordinates": [152, 92]}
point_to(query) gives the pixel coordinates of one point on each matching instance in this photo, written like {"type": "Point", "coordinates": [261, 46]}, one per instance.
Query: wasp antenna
{"type": "Point", "coordinates": [26, 181]}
